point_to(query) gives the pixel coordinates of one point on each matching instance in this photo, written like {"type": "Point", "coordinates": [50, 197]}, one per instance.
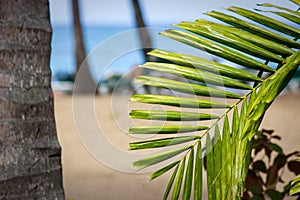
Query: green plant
{"type": "Point", "coordinates": [296, 184]}
{"type": "Point", "coordinates": [249, 45]}
{"type": "Point", "coordinates": [267, 166]}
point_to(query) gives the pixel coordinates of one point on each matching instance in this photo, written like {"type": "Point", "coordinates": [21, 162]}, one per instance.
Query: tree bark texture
{"type": "Point", "coordinates": [86, 85]}
{"type": "Point", "coordinates": [30, 155]}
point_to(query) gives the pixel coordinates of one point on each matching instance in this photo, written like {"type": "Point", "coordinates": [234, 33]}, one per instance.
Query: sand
{"type": "Point", "coordinates": [85, 178]}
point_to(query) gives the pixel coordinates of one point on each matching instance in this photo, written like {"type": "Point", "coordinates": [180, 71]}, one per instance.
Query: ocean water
{"type": "Point", "coordinates": [63, 49]}
{"type": "Point", "coordinates": [111, 50]}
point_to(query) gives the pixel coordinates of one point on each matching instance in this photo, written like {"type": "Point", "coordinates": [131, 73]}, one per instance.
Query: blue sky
{"type": "Point", "coordinates": [157, 12]}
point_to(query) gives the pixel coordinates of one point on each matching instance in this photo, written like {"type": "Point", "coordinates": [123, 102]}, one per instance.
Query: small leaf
{"type": "Point", "coordinates": [210, 168]}
{"type": "Point", "coordinates": [184, 87]}
{"type": "Point", "coordinates": [274, 195]}
{"type": "Point", "coordinates": [157, 158]}
{"type": "Point", "coordinates": [178, 181]}
{"type": "Point", "coordinates": [254, 183]}
{"type": "Point", "coordinates": [226, 159]}
{"type": "Point", "coordinates": [279, 7]}
{"type": "Point", "coordinates": [217, 149]}
{"type": "Point", "coordinates": [294, 166]}
{"type": "Point", "coordinates": [161, 142]}
{"type": "Point", "coordinates": [277, 137]}
{"type": "Point", "coordinates": [280, 160]}
{"type": "Point", "coordinates": [259, 166]}
{"type": "Point", "coordinates": [171, 181]}
{"type": "Point", "coordinates": [270, 132]}
{"type": "Point", "coordinates": [176, 101]}
{"type": "Point", "coordinates": [272, 177]}
{"type": "Point", "coordinates": [198, 174]}
{"type": "Point", "coordinates": [295, 189]}
{"type": "Point", "coordinates": [274, 147]}
{"type": "Point", "coordinates": [171, 115]}
{"type": "Point", "coordinates": [287, 16]}
{"type": "Point", "coordinates": [196, 75]}
{"type": "Point", "coordinates": [208, 65]}
{"type": "Point", "coordinates": [187, 188]}
{"type": "Point", "coordinates": [163, 170]}
{"type": "Point", "coordinates": [168, 129]}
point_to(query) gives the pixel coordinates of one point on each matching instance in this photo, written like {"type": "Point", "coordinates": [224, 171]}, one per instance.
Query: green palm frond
{"type": "Point", "coordinates": [295, 184]}
{"type": "Point", "coordinates": [228, 140]}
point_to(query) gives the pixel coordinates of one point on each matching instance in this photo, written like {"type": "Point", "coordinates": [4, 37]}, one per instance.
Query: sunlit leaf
{"type": "Point", "coordinates": [185, 87]}
{"type": "Point", "coordinates": [170, 184]}
{"type": "Point", "coordinates": [252, 28]}
{"type": "Point", "coordinates": [176, 101]}
{"type": "Point", "coordinates": [208, 65]}
{"type": "Point", "coordinates": [216, 49]}
{"type": "Point", "coordinates": [226, 159]}
{"type": "Point", "coordinates": [157, 158]}
{"type": "Point", "coordinates": [178, 180]}
{"type": "Point", "coordinates": [210, 168]}
{"type": "Point", "coordinates": [267, 44]}
{"type": "Point", "coordinates": [279, 7]}
{"type": "Point", "coordinates": [217, 154]}
{"type": "Point", "coordinates": [296, 2]}
{"type": "Point", "coordinates": [161, 142]}
{"type": "Point", "coordinates": [163, 170]}
{"type": "Point", "coordinates": [287, 16]}
{"type": "Point", "coordinates": [187, 188]}
{"type": "Point", "coordinates": [267, 21]}
{"type": "Point", "coordinates": [227, 38]}
{"type": "Point", "coordinates": [167, 129]}
{"type": "Point", "coordinates": [171, 115]}
{"type": "Point", "coordinates": [196, 75]}
{"type": "Point", "coordinates": [198, 174]}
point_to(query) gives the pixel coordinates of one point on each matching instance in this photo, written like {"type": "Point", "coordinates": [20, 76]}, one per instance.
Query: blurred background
{"type": "Point", "coordinates": [101, 21]}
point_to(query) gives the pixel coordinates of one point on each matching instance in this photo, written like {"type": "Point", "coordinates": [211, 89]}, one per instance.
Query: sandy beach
{"type": "Point", "coordinates": [85, 178]}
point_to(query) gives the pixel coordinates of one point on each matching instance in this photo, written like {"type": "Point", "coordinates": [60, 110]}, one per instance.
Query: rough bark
{"type": "Point", "coordinates": [30, 155]}
{"type": "Point", "coordinates": [85, 84]}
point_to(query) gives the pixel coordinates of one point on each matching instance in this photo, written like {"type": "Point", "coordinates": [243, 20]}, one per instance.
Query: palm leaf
{"type": "Point", "coordinates": [196, 75]}
{"type": "Point", "coordinates": [163, 170]}
{"type": "Point", "coordinates": [216, 49]}
{"type": "Point", "coordinates": [184, 87]}
{"type": "Point", "coordinates": [189, 177]}
{"type": "Point", "coordinates": [198, 173]}
{"type": "Point", "coordinates": [280, 8]}
{"type": "Point", "coordinates": [176, 101]}
{"type": "Point", "coordinates": [267, 21]}
{"type": "Point", "coordinates": [170, 184]}
{"type": "Point", "coordinates": [295, 186]}
{"type": "Point", "coordinates": [151, 160]}
{"type": "Point", "coordinates": [228, 152]}
{"type": "Point", "coordinates": [287, 16]}
{"type": "Point", "coordinates": [207, 65]}
{"type": "Point", "coordinates": [162, 142]}
{"type": "Point", "coordinates": [171, 115]}
{"type": "Point", "coordinates": [178, 180]}
{"type": "Point", "coordinates": [254, 29]}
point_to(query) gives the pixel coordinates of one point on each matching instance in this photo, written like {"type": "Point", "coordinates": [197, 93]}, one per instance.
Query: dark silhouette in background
{"type": "Point", "coordinates": [86, 85]}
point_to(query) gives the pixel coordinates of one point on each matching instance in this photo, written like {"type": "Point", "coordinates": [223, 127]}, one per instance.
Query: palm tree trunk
{"type": "Point", "coordinates": [85, 84]}
{"type": "Point", "coordinates": [30, 155]}
{"type": "Point", "coordinates": [145, 39]}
